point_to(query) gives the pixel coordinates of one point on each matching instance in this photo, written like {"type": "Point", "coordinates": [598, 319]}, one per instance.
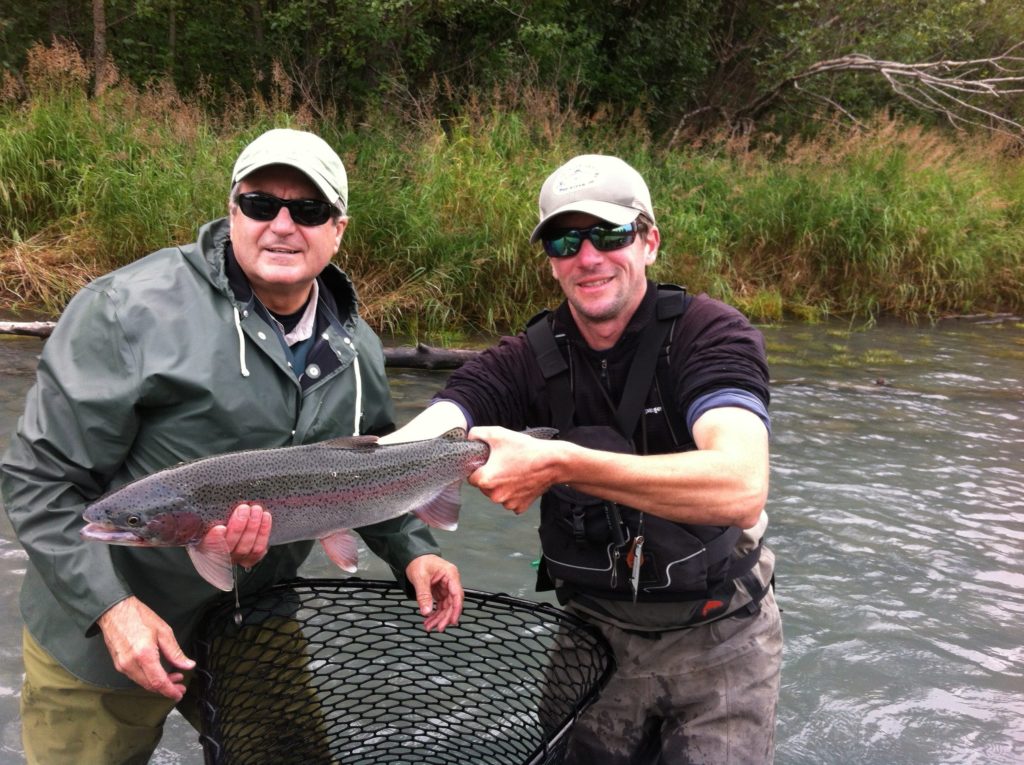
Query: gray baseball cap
{"type": "Point", "coordinates": [307, 153]}
{"type": "Point", "coordinates": [598, 185]}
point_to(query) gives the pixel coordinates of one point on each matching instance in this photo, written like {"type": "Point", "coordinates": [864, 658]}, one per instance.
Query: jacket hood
{"type": "Point", "coordinates": [206, 254]}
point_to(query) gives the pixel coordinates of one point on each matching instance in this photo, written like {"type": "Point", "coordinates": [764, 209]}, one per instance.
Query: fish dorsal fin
{"type": "Point", "coordinates": [212, 560]}
{"type": "Point", "coordinates": [541, 432]}
{"type": "Point", "coordinates": [455, 434]}
{"type": "Point", "coordinates": [350, 442]}
{"type": "Point", "coordinates": [442, 512]}
{"type": "Point", "coordinates": [342, 549]}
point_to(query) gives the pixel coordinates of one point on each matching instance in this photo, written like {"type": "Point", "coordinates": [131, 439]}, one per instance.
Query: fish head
{"type": "Point", "coordinates": [144, 514]}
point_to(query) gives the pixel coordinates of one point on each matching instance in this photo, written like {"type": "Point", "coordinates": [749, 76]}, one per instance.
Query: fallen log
{"type": "Point", "coordinates": [34, 328]}
{"type": "Point", "coordinates": [426, 357]}
{"type": "Point", "coordinates": [413, 357]}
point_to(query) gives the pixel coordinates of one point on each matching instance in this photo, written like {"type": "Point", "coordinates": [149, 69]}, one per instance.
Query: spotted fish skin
{"type": "Point", "coordinates": [315, 491]}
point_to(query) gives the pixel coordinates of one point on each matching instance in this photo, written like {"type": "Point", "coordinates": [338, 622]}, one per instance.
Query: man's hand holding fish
{"type": "Point", "coordinates": [137, 638]}
{"type": "Point", "coordinates": [438, 587]}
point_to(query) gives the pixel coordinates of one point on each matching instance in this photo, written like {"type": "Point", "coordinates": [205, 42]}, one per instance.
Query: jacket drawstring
{"type": "Point", "coordinates": [241, 345]}
{"type": "Point", "coordinates": [359, 394]}
{"type": "Point", "coordinates": [357, 415]}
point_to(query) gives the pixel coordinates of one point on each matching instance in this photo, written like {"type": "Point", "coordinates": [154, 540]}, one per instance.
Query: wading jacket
{"type": "Point", "coordinates": [709, 347]}
{"type": "Point", "coordinates": [153, 364]}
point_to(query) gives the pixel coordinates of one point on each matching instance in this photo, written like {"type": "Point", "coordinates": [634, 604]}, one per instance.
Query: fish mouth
{"type": "Point", "coordinates": [104, 532]}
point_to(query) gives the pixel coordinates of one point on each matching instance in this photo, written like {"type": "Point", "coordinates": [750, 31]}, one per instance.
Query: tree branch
{"type": "Point", "coordinates": [950, 88]}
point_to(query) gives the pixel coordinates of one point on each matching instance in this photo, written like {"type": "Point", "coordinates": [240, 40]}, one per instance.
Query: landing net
{"type": "Point", "coordinates": [341, 671]}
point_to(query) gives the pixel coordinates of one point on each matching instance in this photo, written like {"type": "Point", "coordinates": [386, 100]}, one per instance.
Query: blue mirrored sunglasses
{"type": "Point", "coordinates": [605, 237]}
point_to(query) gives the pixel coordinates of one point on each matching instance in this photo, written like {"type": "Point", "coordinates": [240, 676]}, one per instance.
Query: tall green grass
{"type": "Point", "coordinates": [886, 220]}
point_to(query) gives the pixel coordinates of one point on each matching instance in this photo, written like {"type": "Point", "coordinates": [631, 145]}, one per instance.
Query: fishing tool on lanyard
{"type": "Point", "coordinates": [238, 605]}
{"type": "Point", "coordinates": [635, 558]}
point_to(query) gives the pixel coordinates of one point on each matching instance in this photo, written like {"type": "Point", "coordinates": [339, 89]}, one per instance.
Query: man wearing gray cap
{"type": "Point", "coordinates": [652, 500]}
{"type": "Point", "coordinates": [247, 338]}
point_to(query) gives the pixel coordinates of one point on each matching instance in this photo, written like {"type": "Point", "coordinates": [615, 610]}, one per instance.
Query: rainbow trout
{"type": "Point", "coordinates": [316, 491]}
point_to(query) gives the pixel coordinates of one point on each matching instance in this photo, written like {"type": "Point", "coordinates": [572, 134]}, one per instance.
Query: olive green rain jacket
{"type": "Point", "coordinates": [152, 364]}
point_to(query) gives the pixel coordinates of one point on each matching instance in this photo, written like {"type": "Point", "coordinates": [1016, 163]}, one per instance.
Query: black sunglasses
{"type": "Point", "coordinates": [604, 236]}
{"type": "Point", "coordinates": [306, 212]}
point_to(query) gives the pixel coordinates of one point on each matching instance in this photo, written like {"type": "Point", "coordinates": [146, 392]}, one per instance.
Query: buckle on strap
{"type": "Point", "coordinates": [743, 565]}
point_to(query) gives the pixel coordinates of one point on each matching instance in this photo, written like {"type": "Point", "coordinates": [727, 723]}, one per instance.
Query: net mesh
{"type": "Point", "coordinates": [341, 671]}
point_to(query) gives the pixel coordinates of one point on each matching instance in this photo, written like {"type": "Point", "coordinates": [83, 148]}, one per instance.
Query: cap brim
{"type": "Point", "coordinates": [329, 192]}
{"type": "Point", "coordinates": [619, 215]}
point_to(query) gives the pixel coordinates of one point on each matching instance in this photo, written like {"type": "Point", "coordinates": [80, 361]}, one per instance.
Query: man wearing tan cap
{"type": "Point", "coordinates": [247, 338]}
{"type": "Point", "coordinates": [652, 501]}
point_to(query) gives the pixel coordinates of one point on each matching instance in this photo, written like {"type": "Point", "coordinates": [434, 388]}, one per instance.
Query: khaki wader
{"type": "Point", "coordinates": [65, 720]}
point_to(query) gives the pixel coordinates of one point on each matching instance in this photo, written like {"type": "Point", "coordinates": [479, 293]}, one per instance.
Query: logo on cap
{"type": "Point", "coordinates": [576, 178]}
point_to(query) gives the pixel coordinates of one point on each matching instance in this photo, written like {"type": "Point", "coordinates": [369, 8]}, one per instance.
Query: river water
{"type": "Point", "coordinates": [897, 514]}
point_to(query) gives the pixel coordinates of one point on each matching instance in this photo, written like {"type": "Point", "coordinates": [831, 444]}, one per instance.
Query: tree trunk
{"type": "Point", "coordinates": [256, 13]}
{"type": "Point", "coordinates": [172, 38]}
{"type": "Point", "coordinates": [99, 46]}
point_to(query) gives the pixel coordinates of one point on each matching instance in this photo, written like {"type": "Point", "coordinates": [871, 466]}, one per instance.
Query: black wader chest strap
{"type": "Point", "coordinates": [555, 370]}
{"type": "Point", "coordinates": [672, 303]}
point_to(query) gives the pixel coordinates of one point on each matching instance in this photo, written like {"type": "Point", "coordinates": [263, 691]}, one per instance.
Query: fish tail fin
{"type": "Point", "coordinates": [342, 549]}
{"type": "Point", "coordinates": [212, 559]}
{"type": "Point", "coordinates": [442, 512]}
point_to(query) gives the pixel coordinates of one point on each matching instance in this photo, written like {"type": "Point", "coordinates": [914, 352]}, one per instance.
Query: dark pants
{"type": "Point", "coordinates": [706, 694]}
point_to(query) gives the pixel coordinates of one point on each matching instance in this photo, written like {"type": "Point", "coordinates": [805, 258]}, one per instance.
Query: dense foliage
{"type": "Point", "coordinates": [891, 218]}
{"type": "Point", "coordinates": [690, 63]}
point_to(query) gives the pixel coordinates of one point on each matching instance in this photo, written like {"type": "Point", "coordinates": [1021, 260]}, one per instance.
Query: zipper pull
{"type": "Point", "coordinates": [637, 554]}
{"type": "Point", "coordinates": [615, 567]}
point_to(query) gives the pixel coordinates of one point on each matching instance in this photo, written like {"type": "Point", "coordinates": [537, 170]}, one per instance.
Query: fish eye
{"type": "Point", "coordinates": [133, 520]}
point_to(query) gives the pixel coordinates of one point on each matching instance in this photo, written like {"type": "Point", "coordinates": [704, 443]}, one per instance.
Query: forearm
{"type": "Point", "coordinates": [436, 419]}
{"type": "Point", "coordinates": [723, 482]}
{"type": "Point", "coordinates": [699, 487]}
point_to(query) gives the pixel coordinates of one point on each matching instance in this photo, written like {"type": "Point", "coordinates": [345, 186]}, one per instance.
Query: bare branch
{"type": "Point", "coordinates": [964, 92]}
{"type": "Point", "coordinates": [830, 102]}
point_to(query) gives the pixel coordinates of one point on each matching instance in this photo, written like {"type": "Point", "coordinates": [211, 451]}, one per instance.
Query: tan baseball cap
{"type": "Point", "coordinates": [307, 153]}
{"type": "Point", "coordinates": [598, 185]}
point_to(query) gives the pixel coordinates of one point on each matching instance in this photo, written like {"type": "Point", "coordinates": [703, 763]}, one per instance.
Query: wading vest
{"type": "Point", "coordinates": [590, 544]}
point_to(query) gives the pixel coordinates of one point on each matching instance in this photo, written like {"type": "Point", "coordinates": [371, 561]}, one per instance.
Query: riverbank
{"type": "Point", "coordinates": [889, 219]}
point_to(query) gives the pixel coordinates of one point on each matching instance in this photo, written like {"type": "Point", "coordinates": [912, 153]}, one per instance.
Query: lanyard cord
{"type": "Point", "coordinates": [615, 410]}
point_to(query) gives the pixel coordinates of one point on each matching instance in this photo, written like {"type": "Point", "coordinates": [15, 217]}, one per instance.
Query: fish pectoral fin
{"type": "Point", "coordinates": [212, 560]}
{"type": "Point", "coordinates": [442, 512]}
{"type": "Point", "coordinates": [342, 549]}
